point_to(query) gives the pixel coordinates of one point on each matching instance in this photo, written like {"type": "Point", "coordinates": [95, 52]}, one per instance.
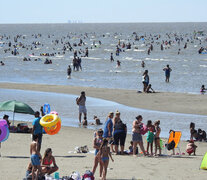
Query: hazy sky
{"type": "Point", "coordinates": [60, 11]}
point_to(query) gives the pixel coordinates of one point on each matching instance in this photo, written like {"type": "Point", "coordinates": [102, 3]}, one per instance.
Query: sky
{"type": "Point", "coordinates": [102, 11]}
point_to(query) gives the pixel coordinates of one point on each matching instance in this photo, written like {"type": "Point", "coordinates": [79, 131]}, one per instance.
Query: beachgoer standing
{"type": "Point", "coordinates": [143, 64]}
{"type": "Point", "coordinates": [35, 157]}
{"type": "Point", "coordinates": [119, 134]}
{"type": "Point", "coordinates": [203, 89]}
{"type": "Point", "coordinates": [118, 63]}
{"type": "Point", "coordinates": [108, 127]}
{"type": "Point", "coordinates": [145, 80]}
{"type": "Point", "coordinates": [69, 70]}
{"type": "Point", "coordinates": [112, 58]}
{"type": "Point", "coordinates": [167, 70]}
{"type": "Point", "coordinates": [96, 144]}
{"type": "Point", "coordinates": [150, 136]}
{"type": "Point", "coordinates": [104, 154]}
{"type": "Point", "coordinates": [37, 129]}
{"type": "Point", "coordinates": [136, 135]}
{"type": "Point", "coordinates": [157, 136]}
{"type": "Point", "coordinates": [81, 101]}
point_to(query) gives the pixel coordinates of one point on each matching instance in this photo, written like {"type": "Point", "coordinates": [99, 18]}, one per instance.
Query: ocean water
{"type": "Point", "coordinates": [66, 106]}
{"type": "Point", "coordinates": [189, 68]}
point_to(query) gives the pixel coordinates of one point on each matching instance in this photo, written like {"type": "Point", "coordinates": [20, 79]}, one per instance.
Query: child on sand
{"type": "Point", "coordinates": [131, 148]}
{"type": "Point", "coordinates": [150, 136]}
{"type": "Point", "coordinates": [104, 154]}
{"type": "Point", "coordinates": [191, 147]}
{"type": "Point", "coordinates": [157, 137]}
{"type": "Point", "coordinates": [35, 158]}
{"type": "Point", "coordinates": [85, 122]}
{"type": "Point", "coordinates": [96, 144]}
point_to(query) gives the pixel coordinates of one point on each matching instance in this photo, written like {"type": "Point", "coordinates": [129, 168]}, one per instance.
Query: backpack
{"type": "Point", "coordinates": [88, 176]}
{"type": "Point", "coordinates": [171, 145]}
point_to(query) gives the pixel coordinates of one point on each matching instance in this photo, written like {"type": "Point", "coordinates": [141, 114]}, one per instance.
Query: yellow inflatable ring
{"type": "Point", "coordinates": [54, 129]}
{"type": "Point", "coordinates": [49, 120]}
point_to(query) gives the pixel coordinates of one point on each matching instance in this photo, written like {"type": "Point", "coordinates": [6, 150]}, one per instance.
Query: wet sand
{"type": "Point", "coordinates": [161, 101]}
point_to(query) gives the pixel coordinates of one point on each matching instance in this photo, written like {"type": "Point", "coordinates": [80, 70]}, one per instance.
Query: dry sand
{"type": "Point", "coordinates": [15, 151]}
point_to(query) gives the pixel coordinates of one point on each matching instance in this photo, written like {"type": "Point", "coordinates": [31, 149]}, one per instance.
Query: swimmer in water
{"type": "Point", "coordinates": [143, 64]}
{"type": "Point", "coordinates": [203, 89]}
{"type": "Point", "coordinates": [118, 63]}
{"type": "Point", "coordinates": [167, 70]}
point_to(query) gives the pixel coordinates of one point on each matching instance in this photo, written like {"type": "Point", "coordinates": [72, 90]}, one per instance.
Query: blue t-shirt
{"type": "Point", "coordinates": [38, 127]}
{"type": "Point", "coordinates": [106, 132]}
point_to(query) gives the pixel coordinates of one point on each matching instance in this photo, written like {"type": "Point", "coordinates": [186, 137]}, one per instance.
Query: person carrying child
{"type": "Point", "coordinates": [150, 136]}
{"type": "Point", "coordinates": [104, 154]}
{"type": "Point", "coordinates": [136, 135]}
{"type": "Point", "coordinates": [191, 147]}
{"type": "Point", "coordinates": [157, 137]}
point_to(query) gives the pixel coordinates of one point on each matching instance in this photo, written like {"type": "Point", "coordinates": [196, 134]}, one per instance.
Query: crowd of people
{"type": "Point", "coordinates": [110, 140]}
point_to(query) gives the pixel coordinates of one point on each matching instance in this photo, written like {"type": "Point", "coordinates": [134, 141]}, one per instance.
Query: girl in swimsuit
{"type": "Point", "coordinates": [150, 136]}
{"type": "Point", "coordinates": [96, 144]}
{"type": "Point", "coordinates": [157, 136]}
{"type": "Point", "coordinates": [104, 154]}
{"type": "Point", "coordinates": [47, 160]}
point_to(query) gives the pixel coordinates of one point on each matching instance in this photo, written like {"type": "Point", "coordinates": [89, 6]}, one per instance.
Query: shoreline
{"type": "Point", "coordinates": [162, 101]}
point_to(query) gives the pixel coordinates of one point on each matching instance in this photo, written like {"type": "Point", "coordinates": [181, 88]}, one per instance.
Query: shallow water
{"type": "Point", "coordinates": [66, 106]}
{"type": "Point", "coordinates": [189, 68]}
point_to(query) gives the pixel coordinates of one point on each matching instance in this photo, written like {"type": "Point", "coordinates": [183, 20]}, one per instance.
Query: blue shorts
{"type": "Point", "coordinates": [136, 137]}
{"type": "Point", "coordinates": [82, 109]}
{"type": "Point", "coordinates": [35, 160]}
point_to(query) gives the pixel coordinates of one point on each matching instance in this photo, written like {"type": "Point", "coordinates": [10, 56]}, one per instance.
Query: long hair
{"type": "Point", "coordinates": [48, 150]}
{"type": "Point", "coordinates": [104, 143]}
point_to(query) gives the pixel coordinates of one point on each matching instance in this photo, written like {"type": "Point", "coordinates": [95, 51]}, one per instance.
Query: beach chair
{"type": "Point", "coordinates": [174, 135]}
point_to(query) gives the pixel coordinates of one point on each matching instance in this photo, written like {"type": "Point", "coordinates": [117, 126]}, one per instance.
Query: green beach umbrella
{"type": "Point", "coordinates": [16, 107]}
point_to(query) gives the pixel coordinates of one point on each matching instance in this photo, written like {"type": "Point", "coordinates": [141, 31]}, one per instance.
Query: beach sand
{"type": "Point", "coordinates": [161, 101]}
{"type": "Point", "coordinates": [15, 151]}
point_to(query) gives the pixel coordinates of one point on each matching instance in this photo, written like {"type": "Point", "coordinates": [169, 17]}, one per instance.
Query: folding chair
{"type": "Point", "coordinates": [174, 135]}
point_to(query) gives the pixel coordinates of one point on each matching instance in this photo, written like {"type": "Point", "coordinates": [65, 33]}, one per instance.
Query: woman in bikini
{"type": "Point", "coordinates": [104, 154]}
{"type": "Point", "coordinates": [47, 160]}
{"type": "Point", "coordinates": [96, 144]}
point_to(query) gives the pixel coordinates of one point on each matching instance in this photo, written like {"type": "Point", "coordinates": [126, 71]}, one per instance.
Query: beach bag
{"type": "Point", "coordinates": [171, 145]}
{"type": "Point", "coordinates": [88, 176]}
{"type": "Point", "coordinates": [82, 149]}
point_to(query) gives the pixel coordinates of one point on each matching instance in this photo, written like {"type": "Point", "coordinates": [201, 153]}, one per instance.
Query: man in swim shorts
{"type": "Point", "coordinates": [35, 157]}
{"type": "Point", "coordinates": [81, 101]}
{"type": "Point", "coordinates": [167, 70]}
